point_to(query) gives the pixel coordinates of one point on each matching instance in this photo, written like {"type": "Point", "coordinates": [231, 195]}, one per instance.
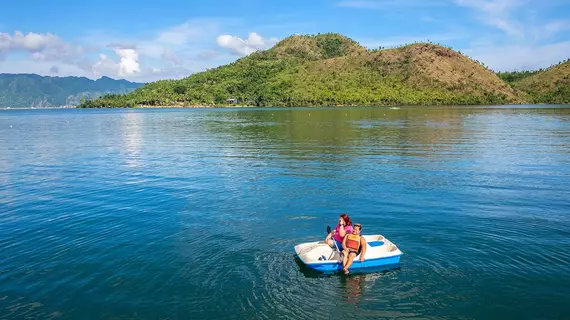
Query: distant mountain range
{"type": "Point", "coordinates": [32, 90]}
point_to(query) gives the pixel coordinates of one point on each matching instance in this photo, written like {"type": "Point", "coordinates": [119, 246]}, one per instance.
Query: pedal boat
{"type": "Point", "coordinates": [319, 256]}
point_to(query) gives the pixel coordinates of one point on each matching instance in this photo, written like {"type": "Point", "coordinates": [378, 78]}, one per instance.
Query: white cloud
{"type": "Point", "coordinates": [128, 64]}
{"type": "Point", "coordinates": [511, 16]}
{"type": "Point", "coordinates": [402, 40]}
{"type": "Point", "coordinates": [26, 65]}
{"type": "Point", "coordinates": [31, 42]}
{"type": "Point", "coordinates": [191, 30]}
{"type": "Point", "coordinates": [156, 73]}
{"type": "Point", "coordinates": [492, 6]}
{"type": "Point", "coordinates": [207, 55]}
{"type": "Point", "coordinates": [104, 66]}
{"type": "Point", "coordinates": [129, 61]}
{"type": "Point", "coordinates": [45, 47]}
{"type": "Point", "coordinates": [524, 41]}
{"type": "Point", "coordinates": [171, 52]}
{"type": "Point", "coordinates": [550, 29]}
{"type": "Point", "coordinates": [497, 13]}
{"type": "Point", "coordinates": [178, 44]}
{"type": "Point", "coordinates": [360, 4]}
{"type": "Point", "coordinates": [382, 4]}
{"type": "Point", "coordinates": [170, 56]}
{"type": "Point", "coordinates": [520, 57]}
{"type": "Point", "coordinates": [428, 19]}
{"type": "Point", "coordinates": [152, 49]}
{"type": "Point", "coordinates": [245, 47]}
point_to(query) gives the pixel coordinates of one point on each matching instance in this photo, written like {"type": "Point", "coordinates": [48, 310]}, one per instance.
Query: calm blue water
{"type": "Point", "coordinates": [186, 214]}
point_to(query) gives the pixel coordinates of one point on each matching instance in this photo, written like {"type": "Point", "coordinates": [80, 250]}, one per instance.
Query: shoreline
{"type": "Point", "coordinates": [190, 107]}
{"type": "Point", "coordinates": [339, 106]}
{"type": "Point", "coordinates": [541, 105]}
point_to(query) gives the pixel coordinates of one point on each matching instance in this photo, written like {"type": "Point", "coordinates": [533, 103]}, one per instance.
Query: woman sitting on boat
{"type": "Point", "coordinates": [343, 228]}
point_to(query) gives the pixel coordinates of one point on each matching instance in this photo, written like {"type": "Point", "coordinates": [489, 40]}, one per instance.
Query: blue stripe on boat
{"type": "Point", "coordinates": [369, 263]}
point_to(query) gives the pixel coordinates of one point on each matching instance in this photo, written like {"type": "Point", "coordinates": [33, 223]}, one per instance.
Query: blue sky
{"type": "Point", "coordinates": [173, 38]}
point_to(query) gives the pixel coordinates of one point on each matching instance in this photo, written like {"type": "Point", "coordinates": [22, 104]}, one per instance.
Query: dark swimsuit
{"type": "Point", "coordinates": [353, 251]}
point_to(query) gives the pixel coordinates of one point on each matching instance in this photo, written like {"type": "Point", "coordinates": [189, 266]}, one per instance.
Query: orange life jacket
{"type": "Point", "coordinates": [353, 242]}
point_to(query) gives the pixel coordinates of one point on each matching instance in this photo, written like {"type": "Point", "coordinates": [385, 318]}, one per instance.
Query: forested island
{"type": "Point", "coordinates": [333, 70]}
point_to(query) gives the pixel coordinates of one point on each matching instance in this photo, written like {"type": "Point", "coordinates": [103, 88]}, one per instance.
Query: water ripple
{"type": "Point", "coordinates": [194, 213]}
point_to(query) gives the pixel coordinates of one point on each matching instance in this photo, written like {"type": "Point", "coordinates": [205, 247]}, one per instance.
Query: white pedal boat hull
{"type": "Point", "coordinates": [319, 256]}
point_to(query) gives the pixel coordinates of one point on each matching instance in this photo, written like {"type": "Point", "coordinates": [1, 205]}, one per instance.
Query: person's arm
{"type": "Point", "coordinates": [363, 246]}
{"type": "Point", "coordinates": [344, 242]}
{"type": "Point", "coordinates": [342, 230]}
{"type": "Point", "coordinates": [331, 234]}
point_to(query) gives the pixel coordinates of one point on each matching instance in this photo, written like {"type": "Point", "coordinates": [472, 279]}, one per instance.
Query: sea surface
{"type": "Point", "coordinates": [194, 213]}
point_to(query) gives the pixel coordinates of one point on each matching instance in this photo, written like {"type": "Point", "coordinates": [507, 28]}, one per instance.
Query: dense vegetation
{"type": "Point", "coordinates": [31, 90]}
{"type": "Point", "coordinates": [544, 86]}
{"type": "Point", "coordinates": [331, 70]}
{"type": "Point", "coordinates": [514, 76]}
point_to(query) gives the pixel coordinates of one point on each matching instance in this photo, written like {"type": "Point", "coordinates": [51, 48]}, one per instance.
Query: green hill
{"type": "Point", "coordinates": [32, 90]}
{"type": "Point", "coordinates": [330, 69]}
{"type": "Point", "coordinates": [546, 86]}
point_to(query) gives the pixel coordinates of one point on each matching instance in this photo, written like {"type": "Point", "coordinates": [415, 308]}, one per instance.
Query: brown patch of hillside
{"type": "Point", "coordinates": [547, 79]}
{"type": "Point", "coordinates": [454, 70]}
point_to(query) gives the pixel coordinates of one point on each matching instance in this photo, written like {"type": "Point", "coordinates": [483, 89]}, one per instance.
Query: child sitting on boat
{"type": "Point", "coordinates": [353, 245]}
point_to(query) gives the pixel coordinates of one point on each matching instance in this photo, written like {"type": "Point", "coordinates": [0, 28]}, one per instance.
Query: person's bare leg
{"type": "Point", "coordinates": [344, 257]}
{"type": "Point", "coordinates": [349, 262]}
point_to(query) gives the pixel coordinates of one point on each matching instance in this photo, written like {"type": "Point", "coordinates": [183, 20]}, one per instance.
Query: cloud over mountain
{"type": "Point", "coordinates": [244, 47]}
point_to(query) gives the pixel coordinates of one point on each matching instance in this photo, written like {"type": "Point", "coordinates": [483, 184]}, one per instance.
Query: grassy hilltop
{"type": "Point", "coordinates": [543, 86]}
{"type": "Point", "coordinates": [330, 70]}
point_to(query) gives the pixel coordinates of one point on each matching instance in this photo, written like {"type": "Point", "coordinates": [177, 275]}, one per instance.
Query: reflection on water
{"type": "Point", "coordinates": [195, 213]}
{"type": "Point", "coordinates": [359, 282]}
{"type": "Point", "coordinates": [131, 132]}
{"type": "Point", "coordinates": [354, 287]}
{"type": "Point", "coordinates": [337, 130]}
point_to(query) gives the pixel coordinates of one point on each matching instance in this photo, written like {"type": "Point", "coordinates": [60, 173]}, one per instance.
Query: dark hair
{"type": "Point", "coordinates": [346, 219]}
{"type": "Point", "coordinates": [358, 225]}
